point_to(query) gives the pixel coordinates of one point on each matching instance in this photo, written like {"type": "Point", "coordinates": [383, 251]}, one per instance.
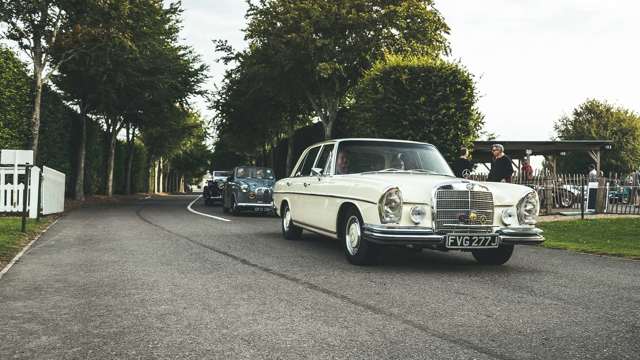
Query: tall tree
{"type": "Point", "coordinates": [35, 27]}
{"type": "Point", "coordinates": [328, 44]}
{"type": "Point", "coordinates": [600, 120]}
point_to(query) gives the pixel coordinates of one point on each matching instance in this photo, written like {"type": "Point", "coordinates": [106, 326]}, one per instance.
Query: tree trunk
{"type": "Point", "coordinates": [111, 160]}
{"type": "Point", "coordinates": [160, 175]}
{"type": "Point", "coordinates": [264, 154]}
{"type": "Point", "coordinates": [151, 179]}
{"type": "Point", "coordinates": [167, 177]}
{"type": "Point", "coordinates": [82, 151]}
{"type": "Point", "coordinates": [37, 101]}
{"type": "Point", "coordinates": [290, 142]}
{"type": "Point", "coordinates": [327, 111]}
{"type": "Point", "coordinates": [131, 136]}
{"type": "Point", "coordinates": [328, 128]}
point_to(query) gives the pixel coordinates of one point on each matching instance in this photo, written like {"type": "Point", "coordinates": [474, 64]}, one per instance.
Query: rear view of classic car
{"type": "Point", "coordinates": [249, 189]}
{"type": "Point", "coordinates": [213, 191]}
{"type": "Point", "coordinates": [374, 193]}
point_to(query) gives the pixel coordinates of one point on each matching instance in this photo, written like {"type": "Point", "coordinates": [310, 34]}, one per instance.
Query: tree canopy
{"type": "Point", "coordinates": [600, 120]}
{"type": "Point", "coordinates": [327, 45]}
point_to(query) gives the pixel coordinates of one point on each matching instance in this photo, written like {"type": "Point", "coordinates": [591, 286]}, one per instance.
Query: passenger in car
{"type": "Point", "coordinates": [342, 163]}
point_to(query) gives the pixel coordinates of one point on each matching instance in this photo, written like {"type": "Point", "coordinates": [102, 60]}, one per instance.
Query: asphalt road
{"type": "Point", "coordinates": [151, 280]}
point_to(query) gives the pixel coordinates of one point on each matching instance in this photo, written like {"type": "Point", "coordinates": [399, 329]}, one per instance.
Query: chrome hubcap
{"type": "Point", "coordinates": [353, 235]}
{"type": "Point", "coordinates": [286, 220]}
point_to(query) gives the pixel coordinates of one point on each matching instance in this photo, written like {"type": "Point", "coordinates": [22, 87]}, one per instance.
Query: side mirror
{"type": "Point", "coordinates": [316, 171]}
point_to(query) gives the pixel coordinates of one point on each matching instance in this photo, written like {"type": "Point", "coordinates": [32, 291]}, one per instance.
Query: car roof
{"type": "Point", "coordinates": [332, 141]}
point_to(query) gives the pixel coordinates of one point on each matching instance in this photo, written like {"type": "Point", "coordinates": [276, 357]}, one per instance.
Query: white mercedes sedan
{"type": "Point", "coordinates": [372, 193]}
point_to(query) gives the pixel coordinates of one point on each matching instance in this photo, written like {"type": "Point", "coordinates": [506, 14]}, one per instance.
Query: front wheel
{"type": "Point", "coordinates": [289, 230]}
{"type": "Point", "coordinates": [357, 249]}
{"type": "Point", "coordinates": [497, 256]}
{"type": "Point", "coordinates": [235, 209]}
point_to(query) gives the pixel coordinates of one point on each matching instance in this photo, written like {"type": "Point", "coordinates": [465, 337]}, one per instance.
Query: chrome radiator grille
{"type": "Point", "coordinates": [264, 195]}
{"type": "Point", "coordinates": [463, 210]}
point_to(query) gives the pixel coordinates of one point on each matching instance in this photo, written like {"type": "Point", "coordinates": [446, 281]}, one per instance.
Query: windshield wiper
{"type": "Point", "coordinates": [383, 170]}
{"type": "Point", "coordinates": [426, 171]}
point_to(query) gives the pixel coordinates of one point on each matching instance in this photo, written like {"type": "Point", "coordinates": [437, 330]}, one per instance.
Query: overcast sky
{"type": "Point", "coordinates": [533, 60]}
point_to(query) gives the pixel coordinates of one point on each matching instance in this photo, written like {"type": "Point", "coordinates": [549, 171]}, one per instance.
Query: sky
{"type": "Point", "coordinates": [533, 60]}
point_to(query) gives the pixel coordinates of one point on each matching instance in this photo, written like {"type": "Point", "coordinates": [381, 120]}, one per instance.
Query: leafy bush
{"type": "Point", "coordinates": [417, 98]}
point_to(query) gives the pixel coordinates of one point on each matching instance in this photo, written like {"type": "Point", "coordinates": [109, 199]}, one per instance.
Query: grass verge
{"type": "Point", "coordinates": [12, 240]}
{"type": "Point", "coordinates": [617, 237]}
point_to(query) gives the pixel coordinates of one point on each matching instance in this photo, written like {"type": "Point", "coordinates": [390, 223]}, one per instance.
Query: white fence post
{"type": "Point", "coordinates": [33, 192]}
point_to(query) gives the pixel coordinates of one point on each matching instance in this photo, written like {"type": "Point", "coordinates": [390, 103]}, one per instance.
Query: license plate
{"type": "Point", "coordinates": [471, 241]}
{"type": "Point", "coordinates": [261, 209]}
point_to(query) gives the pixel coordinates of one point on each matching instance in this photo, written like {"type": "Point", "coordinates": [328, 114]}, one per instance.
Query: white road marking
{"type": "Point", "coordinates": [25, 249]}
{"type": "Point", "coordinates": [203, 214]}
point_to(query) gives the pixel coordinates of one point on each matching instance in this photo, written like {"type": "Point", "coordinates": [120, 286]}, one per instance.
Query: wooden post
{"type": "Point", "coordinates": [601, 194]}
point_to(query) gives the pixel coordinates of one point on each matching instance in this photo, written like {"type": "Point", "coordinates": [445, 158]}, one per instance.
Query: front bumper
{"type": "Point", "coordinates": [420, 236]}
{"type": "Point", "coordinates": [256, 206]}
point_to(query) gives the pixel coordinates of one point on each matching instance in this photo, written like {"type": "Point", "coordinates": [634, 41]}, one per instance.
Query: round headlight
{"type": "Point", "coordinates": [220, 185]}
{"type": "Point", "coordinates": [244, 187]}
{"type": "Point", "coordinates": [528, 209]}
{"type": "Point", "coordinates": [418, 213]}
{"type": "Point", "coordinates": [509, 216]}
{"type": "Point", "coordinates": [390, 206]}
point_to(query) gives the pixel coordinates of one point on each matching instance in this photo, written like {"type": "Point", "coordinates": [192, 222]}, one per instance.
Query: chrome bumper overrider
{"type": "Point", "coordinates": [411, 235]}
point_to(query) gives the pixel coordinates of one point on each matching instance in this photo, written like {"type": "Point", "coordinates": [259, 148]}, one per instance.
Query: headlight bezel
{"type": "Point", "coordinates": [390, 206]}
{"type": "Point", "coordinates": [528, 209]}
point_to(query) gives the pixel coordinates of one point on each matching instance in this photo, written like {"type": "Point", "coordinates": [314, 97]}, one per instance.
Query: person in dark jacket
{"type": "Point", "coordinates": [462, 166]}
{"type": "Point", "coordinates": [501, 167]}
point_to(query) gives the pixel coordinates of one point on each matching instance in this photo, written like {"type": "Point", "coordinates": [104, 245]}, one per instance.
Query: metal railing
{"type": "Point", "coordinates": [579, 194]}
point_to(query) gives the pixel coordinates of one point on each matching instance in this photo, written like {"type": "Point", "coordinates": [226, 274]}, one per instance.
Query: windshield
{"type": "Point", "coordinates": [222, 173]}
{"type": "Point", "coordinates": [247, 172]}
{"type": "Point", "coordinates": [374, 156]}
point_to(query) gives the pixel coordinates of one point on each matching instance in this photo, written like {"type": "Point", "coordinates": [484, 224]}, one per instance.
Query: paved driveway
{"type": "Point", "coordinates": [151, 280]}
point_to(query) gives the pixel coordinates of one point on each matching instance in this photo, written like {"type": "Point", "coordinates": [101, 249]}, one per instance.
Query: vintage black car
{"type": "Point", "coordinates": [249, 188]}
{"type": "Point", "coordinates": [212, 192]}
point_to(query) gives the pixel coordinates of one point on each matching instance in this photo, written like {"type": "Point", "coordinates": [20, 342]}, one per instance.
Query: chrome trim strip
{"type": "Point", "coordinates": [315, 229]}
{"type": "Point", "coordinates": [324, 195]}
{"type": "Point", "coordinates": [255, 205]}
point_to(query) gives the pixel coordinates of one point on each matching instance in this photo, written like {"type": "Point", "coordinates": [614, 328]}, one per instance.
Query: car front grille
{"type": "Point", "coordinates": [264, 195]}
{"type": "Point", "coordinates": [463, 211]}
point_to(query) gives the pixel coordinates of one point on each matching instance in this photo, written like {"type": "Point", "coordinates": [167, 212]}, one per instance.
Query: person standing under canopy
{"type": "Point", "coordinates": [501, 167]}
{"type": "Point", "coordinates": [462, 166]}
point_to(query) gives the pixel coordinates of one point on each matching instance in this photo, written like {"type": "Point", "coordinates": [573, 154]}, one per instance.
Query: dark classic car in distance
{"type": "Point", "coordinates": [249, 188]}
{"type": "Point", "coordinates": [214, 189]}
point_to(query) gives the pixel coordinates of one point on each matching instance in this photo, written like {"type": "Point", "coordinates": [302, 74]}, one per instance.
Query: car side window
{"type": "Point", "coordinates": [324, 161]}
{"type": "Point", "coordinates": [307, 163]}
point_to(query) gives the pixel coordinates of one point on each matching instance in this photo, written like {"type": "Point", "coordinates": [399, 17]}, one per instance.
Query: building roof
{"type": "Point", "coordinates": [518, 149]}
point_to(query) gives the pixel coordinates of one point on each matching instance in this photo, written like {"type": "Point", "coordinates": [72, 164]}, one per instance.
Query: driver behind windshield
{"type": "Point", "coordinates": [397, 162]}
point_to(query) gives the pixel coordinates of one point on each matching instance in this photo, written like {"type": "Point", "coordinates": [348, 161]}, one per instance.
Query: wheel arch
{"type": "Point", "coordinates": [340, 218]}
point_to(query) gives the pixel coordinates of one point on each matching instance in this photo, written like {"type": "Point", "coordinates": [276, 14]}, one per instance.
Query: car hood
{"type": "Point", "coordinates": [418, 188]}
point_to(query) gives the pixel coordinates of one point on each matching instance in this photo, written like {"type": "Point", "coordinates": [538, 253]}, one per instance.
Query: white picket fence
{"type": "Point", "coordinates": [12, 187]}
{"type": "Point", "coordinates": [53, 186]}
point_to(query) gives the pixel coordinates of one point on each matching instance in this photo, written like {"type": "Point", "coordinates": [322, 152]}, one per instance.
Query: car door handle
{"type": "Point", "coordinates": [288, 183]}
{"type": "Point", "coordinates": [306, 184]}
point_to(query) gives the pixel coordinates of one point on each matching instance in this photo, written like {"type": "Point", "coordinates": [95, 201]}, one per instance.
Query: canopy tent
{"type": "Point", "coordinates": [519, 150]}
